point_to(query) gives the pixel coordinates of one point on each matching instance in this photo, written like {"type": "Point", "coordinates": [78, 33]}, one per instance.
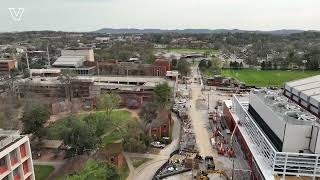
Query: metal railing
{"type": "Point", "coordinates": [282, 163]}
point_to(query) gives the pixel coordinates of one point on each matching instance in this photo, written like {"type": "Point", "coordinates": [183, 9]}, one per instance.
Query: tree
{"type": "Point", "coordinates": [80, 137]}
{"type": "Point", "coordinates": [34, 119]}
{"type": "Point", "coordinates": [108, 102]}
{"type": "Point", "coordinates": [67, 79]}
{"type": "Point", "coordinates": [216, 65]}
{"type": "Point", "coordinates": [183, 67]}
{"type": "Point", "coordinates": [148, 112]}
{"type": "Point", "coordinates": [136, 139]}
{"type": "Point", "coordinates": [96, 170]}
{"type": "Point", "coordinates": [162, 94]}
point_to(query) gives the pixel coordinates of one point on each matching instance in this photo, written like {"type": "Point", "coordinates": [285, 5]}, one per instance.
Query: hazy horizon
{"type": "Point", "coordinates": [91, 15]}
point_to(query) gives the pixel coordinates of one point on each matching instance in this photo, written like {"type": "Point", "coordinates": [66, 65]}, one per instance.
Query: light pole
{"type": "Point", "coordinates": [304, 64]}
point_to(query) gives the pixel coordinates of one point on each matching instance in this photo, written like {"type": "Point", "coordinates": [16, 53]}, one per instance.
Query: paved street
{"type": "Point", "coordinates": [199, 118]}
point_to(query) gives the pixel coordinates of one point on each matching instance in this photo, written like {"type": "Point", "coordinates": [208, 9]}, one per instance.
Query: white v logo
{"type": "Point", "coordinates": [16, 13]}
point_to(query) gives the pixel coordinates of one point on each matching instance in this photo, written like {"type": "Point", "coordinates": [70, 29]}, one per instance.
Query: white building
{"type": "Point", "coordinates": [305, 92]}
{"type": "Point", "coordinates": [15, 157]}
{"type": "Point", "coordinates": [86, 52]}
{"type": "Point", "coordinates": [280, 139]}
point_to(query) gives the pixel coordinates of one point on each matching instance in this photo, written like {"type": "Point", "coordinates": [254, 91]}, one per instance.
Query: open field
{"type": "Point", "coordinates": [267, 77]}
{"type": "Point", "coordinates": [42, 172]}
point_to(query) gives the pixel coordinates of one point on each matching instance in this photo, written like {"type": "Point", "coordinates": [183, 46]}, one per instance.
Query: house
{"type": "Point", "coordinates": [161, 125]}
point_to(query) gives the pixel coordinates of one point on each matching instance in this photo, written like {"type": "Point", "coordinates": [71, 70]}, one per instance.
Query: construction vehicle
{"type": "Point", "coordinates": [221, 149]}
{"type": "Point", "coordinates": [203, 175]}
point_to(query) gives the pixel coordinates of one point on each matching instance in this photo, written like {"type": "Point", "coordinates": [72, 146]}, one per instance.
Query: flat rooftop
{"type": "Point", "coordinates": [105, 80]}
{"type": "Point", "coordinates": [285, 109]}
{"type": "Point", "coordinates": [8, 137]}
{"type": "Point", "coordinates": [309, 87]}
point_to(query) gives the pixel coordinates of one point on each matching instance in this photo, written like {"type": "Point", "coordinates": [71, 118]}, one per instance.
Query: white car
{"type": "Point", "coordinates": [157, 144]}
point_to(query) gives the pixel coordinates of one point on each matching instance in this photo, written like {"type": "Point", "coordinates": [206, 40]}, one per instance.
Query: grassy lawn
{"type": "Point", "coordinates": [136, 162]}
{"type": "Point", "coordinates": [267, 77]}
{"type": "Point", "coordinates": [116, 134]}
{"type": "Point", "coordinates": [42, 172]}
{"type": "Point", "coordinates": [113, 129]}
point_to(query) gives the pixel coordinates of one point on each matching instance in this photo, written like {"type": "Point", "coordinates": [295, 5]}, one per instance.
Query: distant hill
{"type": "Point", "coordinates": [194, 31]}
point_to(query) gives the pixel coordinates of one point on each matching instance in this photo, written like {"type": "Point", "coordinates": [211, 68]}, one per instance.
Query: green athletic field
{"type": "Point", "coordinates": [267, 77]}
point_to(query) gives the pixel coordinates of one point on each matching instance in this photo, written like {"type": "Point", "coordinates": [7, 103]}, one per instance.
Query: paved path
{"type": "Point", "coordinates": [56, 164]}
{"type": "Point", "coordinates": [130, 165]}
{"type": "Point", "coordinates": [147, 170]}
{"type": "Point", "coordinates": [199, 119]}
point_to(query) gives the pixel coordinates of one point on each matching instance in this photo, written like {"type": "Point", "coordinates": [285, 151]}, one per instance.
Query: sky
{"type": "Point", "coordinates": [90, 15]}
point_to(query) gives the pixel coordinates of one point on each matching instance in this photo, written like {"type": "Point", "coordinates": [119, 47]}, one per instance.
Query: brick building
{"type": "Point", "coordinates": [113, 154]}
{"type": "Point", "coordinates": [133, 90]}
{"type": "Point", "coordinates": [114, 67]}
{"type": "Point", "coordinates": [161, 125]}
{"type": "Point", "coordinates": [15, 157]}
{"type": "Point", "coordinates": [7, 65]}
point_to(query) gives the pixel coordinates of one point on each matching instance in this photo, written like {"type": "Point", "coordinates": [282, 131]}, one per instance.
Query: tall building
{"type": "Point", "coordinates": [279, 137]}
{"type": "Point", "coordinates": [15, 157]}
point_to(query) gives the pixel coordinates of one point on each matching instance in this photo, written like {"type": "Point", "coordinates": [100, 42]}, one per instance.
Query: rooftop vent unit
{"type": "Point", "coordinates": [308, 117]}
{"type": "Point", "coordinates": [300, 116]}
{"type": "Point", "coordinates": [292, 107]}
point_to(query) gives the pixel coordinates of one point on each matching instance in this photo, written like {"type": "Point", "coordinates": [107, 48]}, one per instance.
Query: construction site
{"type": "Point", "coordinates": [223, 159]}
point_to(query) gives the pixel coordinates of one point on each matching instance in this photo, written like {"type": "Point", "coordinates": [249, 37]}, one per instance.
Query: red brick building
{"type": "Point", "coordinates": [113, 154]}
{"type": "Point", "coordinates": [161, 126]}
{"type": "Point", "coordinates": [113, 67]}
{"type": "Point", "coordinates": [7, 65]}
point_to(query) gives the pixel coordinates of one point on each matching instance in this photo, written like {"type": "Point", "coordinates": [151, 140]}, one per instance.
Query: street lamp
{"type": "Point", "coordinates": [304, 64]}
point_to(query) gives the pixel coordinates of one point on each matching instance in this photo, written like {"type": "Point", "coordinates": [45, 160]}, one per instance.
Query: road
{"type": "Point", "coordinates": [148, 170]}
{"type": "Point", "coordinates": [199, 118]}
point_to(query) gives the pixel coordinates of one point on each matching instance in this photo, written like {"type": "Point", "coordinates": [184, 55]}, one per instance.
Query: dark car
{"type": "Point", "coordinates": [209, 163]}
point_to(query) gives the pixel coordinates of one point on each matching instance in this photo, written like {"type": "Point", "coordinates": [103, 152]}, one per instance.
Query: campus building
{"type": "Point", "coordinates": [15, 157]}
{"type": "Point", "coordinates": [76, 61]}
{"type": "Point", "coordinates": [306, 93]}
{"type": "Point", "coordinates": [7, 65]}
{"type": "Point", "coordinates": [132, 68]}
{"type": "Point", "coordinates": [278, 137]}
{"type": "Point", "coordinates": [134, 90]}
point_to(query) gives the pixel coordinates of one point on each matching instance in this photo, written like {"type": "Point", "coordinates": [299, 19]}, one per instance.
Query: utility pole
{"type": "Point", "coordinates": [28, 65]}
{"type": "Point", "coordinates": [49, 65]}
{"type": "Point", "coordinates": [208, 100]}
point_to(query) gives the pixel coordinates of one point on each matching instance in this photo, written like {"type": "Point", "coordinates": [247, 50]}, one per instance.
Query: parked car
{"type": "Point", "coordinates": [210, 165]}
{"type": "Point", "coordinates": [157, 144]}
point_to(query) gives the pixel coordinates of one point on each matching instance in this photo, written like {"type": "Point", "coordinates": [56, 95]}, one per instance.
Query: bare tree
{"type": "Point", "coordinates": [67, 79]}
{"type": "Point", "coordinates": [108, 102]}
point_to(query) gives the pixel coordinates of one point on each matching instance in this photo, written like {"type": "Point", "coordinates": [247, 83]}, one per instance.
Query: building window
{"type": "Point", "coordinates": [13, 157]}
{"type": "Point", "coordinates": [3, 165]}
